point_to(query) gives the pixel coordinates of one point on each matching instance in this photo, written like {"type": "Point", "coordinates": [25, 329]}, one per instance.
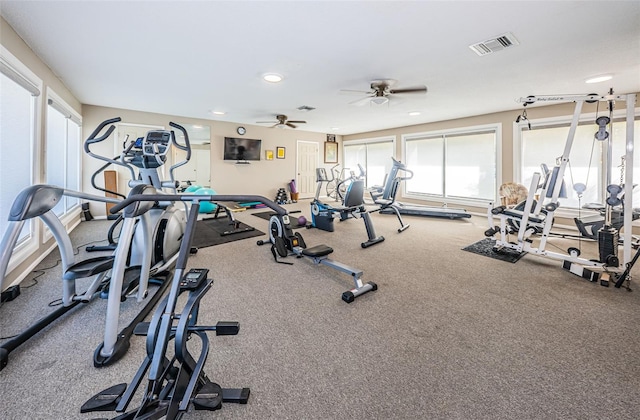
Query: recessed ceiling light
{"type": "Point", "coordinates": [218, 112]}
{"type": "Point", "coordinates": [598, 79]}
{"type": "Point", "coordinates": [272, 77]}
{"type": "Point", "coordinates": [335, 128]}
{"type": "Point", "coordinates": [414, 113]}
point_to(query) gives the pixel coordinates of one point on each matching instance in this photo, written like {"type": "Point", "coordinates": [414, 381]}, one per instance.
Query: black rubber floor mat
{"type": "Point", "coordinates": [485, 247]}
{"type": "Point", "coordinates": [219, 231]}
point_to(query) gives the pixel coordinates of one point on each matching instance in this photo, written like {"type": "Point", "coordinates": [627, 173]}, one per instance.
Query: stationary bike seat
{"type": "Point", "coordinates": [317, 251]}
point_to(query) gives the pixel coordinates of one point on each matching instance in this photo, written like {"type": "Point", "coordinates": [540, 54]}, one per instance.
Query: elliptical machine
{"type": "Point", "coordinates": [116, 275]}
{"type": "Point", "coordinates": [150, 241]}
{"type": "Point", "coordinates": [176, 380]}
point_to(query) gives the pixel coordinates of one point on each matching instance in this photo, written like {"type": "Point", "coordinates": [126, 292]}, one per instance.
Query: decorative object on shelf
{"type": "Point", "coordinates": [331, 137]}
{"type": "Point", "coordinates": [280, 152]}
{"type": "Point", "coordinates": [241, 130]}
{"type": "Point", "coordinates": [268, 154]}
{"type": "Point", "coordinates": [330, 152]}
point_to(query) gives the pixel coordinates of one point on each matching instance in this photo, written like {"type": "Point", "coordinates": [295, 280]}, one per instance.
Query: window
{"type": "Point", "coordinates": [19, 92]}
{"type": "Point", "coordinates": [455, 164]}
{"type": "Point", "coordinates": [374, 155]}
{"type": "Point", "coordinates": [62, 157]}
{"type": "Point", "coordinates": [587, 160]}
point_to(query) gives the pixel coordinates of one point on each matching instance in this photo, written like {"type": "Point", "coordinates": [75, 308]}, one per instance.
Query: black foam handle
{"type": "Point", "coordinates": [187, 146]}
{"type": "Point", "coordinates": [93, 135]}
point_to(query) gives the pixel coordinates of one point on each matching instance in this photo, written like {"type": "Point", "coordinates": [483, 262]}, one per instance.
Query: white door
{"type": "Point", "coordinates": [308, 153]}
{"type": "Point", "coordinates": [197, 170]}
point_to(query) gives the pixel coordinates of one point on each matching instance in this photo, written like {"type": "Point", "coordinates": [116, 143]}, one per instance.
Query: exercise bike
{"type": "Point", "coordinates": [336, 188]}
{"type": "Point", "coordinates": [175, 381]}
{"type": "Point", "coordinates": [323, 214]}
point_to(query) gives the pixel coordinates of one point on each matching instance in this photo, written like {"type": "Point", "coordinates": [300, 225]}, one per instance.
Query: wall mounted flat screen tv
{"type": "Point", "coordinates": [239, 149]}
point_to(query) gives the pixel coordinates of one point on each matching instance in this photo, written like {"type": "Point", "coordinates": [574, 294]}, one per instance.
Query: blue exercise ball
{"type": "Point", "coordinates": [192, 188]}
{"type": "Point", "coordinates": [206, 206]}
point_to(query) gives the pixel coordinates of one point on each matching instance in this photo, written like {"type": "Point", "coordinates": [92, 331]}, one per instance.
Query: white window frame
{"type": "Point", "coordinates": [467, 201]}
{"type": "Point", "coordinates": [29, 245]}
{"type": "Point", "coordinates": [70, 218]}
{"type": "Point", "coordinates": [373, 140]}
{"type": "Point", "coordinates": [560, 121]}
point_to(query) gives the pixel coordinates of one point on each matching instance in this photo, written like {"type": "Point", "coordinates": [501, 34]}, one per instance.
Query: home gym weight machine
{"type": "Point", "coordinates": [149, 246]}
{"type": "Point", "coordinates": [284, 242]}
{"type": "Point", "coordinates": [385, 197]}
{"type": "Point", "coordinates": [176, 380]}
{"type": "Point", "coordinates": [322, 214]}
{"type": "Point", "coordinates": [536, 217]}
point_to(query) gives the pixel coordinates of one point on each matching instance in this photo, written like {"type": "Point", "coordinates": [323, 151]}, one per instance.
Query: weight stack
{"type": "Point", "coordinates": [608, 243]}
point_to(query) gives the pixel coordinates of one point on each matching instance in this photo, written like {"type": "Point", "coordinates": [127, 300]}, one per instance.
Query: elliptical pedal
{"type": "Point", "coordinates": [209, 397]}
{"type": "Point", "coordinates": [106, 400]}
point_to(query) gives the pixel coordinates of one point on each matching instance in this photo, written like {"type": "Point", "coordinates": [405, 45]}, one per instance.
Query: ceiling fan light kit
{"type": "Point", "coordinates": [381, 92]}
{"type": "Point", "coordinates": [282, 122]}
{"type": "Point", "coordinates": [379, 100]}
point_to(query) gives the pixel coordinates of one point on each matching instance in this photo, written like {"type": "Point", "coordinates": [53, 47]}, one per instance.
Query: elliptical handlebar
{"type": "Point", "coordinates": [281, 211]}
{"type": "Point", "coordinates": [92, 137]}
{"type": "Point", "coordinates": [132, 155]}
{"type": "Point", "coordinates": [187, 146]}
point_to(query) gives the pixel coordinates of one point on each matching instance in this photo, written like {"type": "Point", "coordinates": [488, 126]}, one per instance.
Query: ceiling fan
{"type": "Point", "coordinates": [282, 122]}
{"type": "Point", "coordinates": [381, 92]}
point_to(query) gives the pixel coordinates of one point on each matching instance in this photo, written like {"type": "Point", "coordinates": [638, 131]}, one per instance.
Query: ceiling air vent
{"type": "Point", "coordinates": [305, 108]}
{"type": "Point", "coordinates": [496, 44]}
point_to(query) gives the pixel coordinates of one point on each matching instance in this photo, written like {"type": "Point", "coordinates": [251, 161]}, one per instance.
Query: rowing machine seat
{"type": "Point", "coordinates": [317, 251]}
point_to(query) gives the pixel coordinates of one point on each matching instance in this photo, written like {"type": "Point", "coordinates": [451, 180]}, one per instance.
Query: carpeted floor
{"type": "Point", "coordinates": [449, 334]}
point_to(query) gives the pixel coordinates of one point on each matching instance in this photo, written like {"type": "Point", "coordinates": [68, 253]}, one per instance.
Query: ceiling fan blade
{"type": "Point", "coordinates": [291, 125]}
{"type": "Point", "coordinates": [298, 122]}
{"type": "Point", "coordinates": [266, 122]}
{"type": "Point", "coordinates": [359, 92]}
{"type": "Point", "coordinates": [414, 89]}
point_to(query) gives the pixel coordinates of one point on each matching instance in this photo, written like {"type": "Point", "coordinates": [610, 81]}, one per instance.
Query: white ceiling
{"type": "Point", "coordinates": [187, 58]}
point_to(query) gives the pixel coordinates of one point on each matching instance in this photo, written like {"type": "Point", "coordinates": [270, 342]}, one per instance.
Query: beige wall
{"type": "Point", "coordinates": [259, 177]}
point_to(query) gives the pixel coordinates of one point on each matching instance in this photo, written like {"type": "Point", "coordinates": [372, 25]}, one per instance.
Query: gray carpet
{"type": "Point", "coordinates": [449, 334]}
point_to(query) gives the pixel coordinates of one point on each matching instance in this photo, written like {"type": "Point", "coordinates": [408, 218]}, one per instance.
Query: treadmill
{"type": "Point", "coordinates": [385, 197]}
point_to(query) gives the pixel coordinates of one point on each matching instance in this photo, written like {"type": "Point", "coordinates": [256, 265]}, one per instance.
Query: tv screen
{"type": "Point", "coordinates": [241, 149]}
